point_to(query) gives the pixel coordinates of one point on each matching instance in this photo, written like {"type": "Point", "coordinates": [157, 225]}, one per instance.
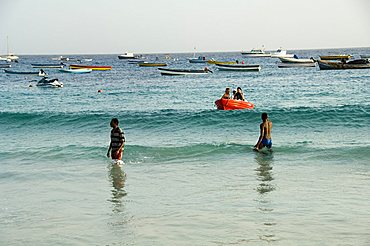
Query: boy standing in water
{"type": "Point", "coordinates": [265, 133]}
{"type": "Point", "coordinates": [117, 140]}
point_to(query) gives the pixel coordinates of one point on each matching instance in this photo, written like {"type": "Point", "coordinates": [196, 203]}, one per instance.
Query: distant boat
{"type": "Point", "coordinates": [135, 61]}
{"type": "Point", "coordinates": [100, 68]}
{"type": "Point", "coordinates": [354, 64]}
{"type": "Point", "coordinates": [36, 65]}
{"type": "Point", "coordinates": [126, 56]}
{"type": "Point", "coordinates": [5, 65]}
{"type": "Point", "coordinates": [295, 59]}
{"type": "Point", "coordinates": [335, 57]}
{"type": "Point", "coordinates": [199, 59]}
{"type": "Point", "coordinates": [168, 71]}
{"type": "Point", "coordinates": [238, 67]}
{"type": "Point", "coordinates": [365, 56]}
{"type": "Point", "coordinates": [231, 104]}
{"type": "Point", "coordinates": [80, 70]}
{"type": "Point", "coordinates": [220, 62]}
{"type": "Point", "coordinates": [256, 53]}
{"type": "Point", "coordinates": [152, 64]}
{"type": "Point", "coordinates": [281, 53]}
{"type": "Point", "coordinates": [21, 72]}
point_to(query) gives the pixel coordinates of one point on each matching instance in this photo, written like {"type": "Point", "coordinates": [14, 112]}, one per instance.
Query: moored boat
{"type": "Point", "coordinates": [231, 104]}
{"type": "Point", "coordinates": [78, 70]}
{"type": "Point", "coordinates": [48, 65]}
{"type": "Point", "coordinates": [126, 56]}
{"type": "Point", "coordinates": [170, 71]}
{"type": "Point", "coordinates": [21, 72]}
{"type": "Point", "coordinates": [152, 64]}
{"type": "Point", "coordinates": [281, 53]}
{"type": "Point", "coordinates": [99, 68]}
{"type": "Point", "coordinates": [238, 67]}
{"type": "Point", "coordinates": [256, 53]}
{"type": "Point", "coordinates": [335, 57]}
{"type": "Point", "coordinates": [295, 59]}
{"type": "Point", "coordinates": [354, 64]}
{"type": "Point", "coordinates": [200, 59]}
{"type": "Point", "coordinates": [220, 62]}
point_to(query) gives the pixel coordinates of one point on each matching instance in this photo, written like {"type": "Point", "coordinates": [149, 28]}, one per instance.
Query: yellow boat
{"type": "Point", "coordinates": [152, 64]}
{"type": "Point", "coordinates": [99, 68]}
{"type": "Point", "coordinates": [220, 62]}
{"type": "Point", "coordinates": [335, 57]}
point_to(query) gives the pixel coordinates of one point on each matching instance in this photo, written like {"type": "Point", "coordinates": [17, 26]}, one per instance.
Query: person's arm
{"type": "Point", "coordinates": [110, 147]}
{"type": "Point", "coordinates": [243, 98]}
{"type": "Point", "coordinates": [260, 137]}
{"type": "Point", "coordinates": [122, 141]}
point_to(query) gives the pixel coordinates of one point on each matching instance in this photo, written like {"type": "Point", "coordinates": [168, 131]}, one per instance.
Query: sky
{"type": "Point", "coordinates": [171, 26]}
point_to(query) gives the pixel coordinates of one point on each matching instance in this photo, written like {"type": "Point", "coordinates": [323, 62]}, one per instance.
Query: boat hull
{"type": "Point", "coordinates": [5, 66]}
{"type": "Point", "coordinates": [20, 72]}
{"type": "Point", "coordinates": [230, 104]}
{"type": "Point", "coordinates": [77, 71]}
{"type": "Point", "coordinates": [295, 60]}
{"type": "Point", "coordinates": [289, 65]}
{"type": "Point", "coordinates": [47, 65]}
{"type": "Point", "coordinates": [238, 67]}
{"type": "Point", "coordinates": [326, 65]}
{"type": "Point", "coordinates": [175, 72]}
{"type": "Point", "coordinates": [143, 64]}
{"type": "Point", "coordinates": [335, 57]}
{"type": "Point", "coordinates": [95, 68]}
{"type": "Point", "coordinates": [220, 62]}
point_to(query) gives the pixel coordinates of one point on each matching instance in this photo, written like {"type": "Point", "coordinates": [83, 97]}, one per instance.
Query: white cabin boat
{"type": "Point", "coordinates": [281, 53]}
{"type": "Point", "coordinates": [127, 56]}
{"type": "Point", "coordinates": [256, 53]}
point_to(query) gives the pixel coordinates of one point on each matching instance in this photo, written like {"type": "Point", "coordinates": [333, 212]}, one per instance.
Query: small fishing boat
{"type": "Point", "coordinates": [238, 67]}
{"type": "Point", "coordinates": [212, 61]}
{"type": "Point", "coordinates": [99, 68]}
{"type": "Point", "coordinates": [5, 66]}
{"type": "Point", "coordinates": [335, 57]}
{"type": "Point", "coordinates": [200, 59]}
{"type": "Point", "coordinates": [281, 53]}
{"type": "Point", "coordinates": [256, 53]}
{"type": "Point", "coordinates": [56, 65]}
{"type": "Point", "coordinates": [295, 59]}
{"type": "Point", "coordinates": [44, 82]}
{"type": "Point", "coordinates": [21, 72]}
{"type": "Point", "coordinates": [79, 70]}
{"type": "Point", "coordinates": [169, 71]}
{"type": "Point", "coordinates": [135, 61]}
{"type": "Point", "coordinates": [354, 64]}
{"type": "Point", "coordinates": [152, 64]}
{"type": "Point", "coordinates": [289, 65]}
{"type": "Point", "coordinates": [126, 56]}
{"type": "Point", "coordinates": [231, 104]}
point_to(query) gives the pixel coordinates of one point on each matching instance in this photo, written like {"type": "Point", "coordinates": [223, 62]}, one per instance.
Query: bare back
{"type": "Point", "coordinates": [266, 128]}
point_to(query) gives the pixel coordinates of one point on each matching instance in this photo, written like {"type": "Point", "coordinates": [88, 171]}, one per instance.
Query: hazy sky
{"type": "Point", "coordinates": [147, 26]}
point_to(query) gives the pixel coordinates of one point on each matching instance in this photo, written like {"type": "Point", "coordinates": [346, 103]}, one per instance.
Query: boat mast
{"type": "Point", "coordinates": [7, 44]}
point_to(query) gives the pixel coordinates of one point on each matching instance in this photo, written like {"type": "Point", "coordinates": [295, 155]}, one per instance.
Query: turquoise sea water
{"type": "Point", "coordinates": [190, 176]}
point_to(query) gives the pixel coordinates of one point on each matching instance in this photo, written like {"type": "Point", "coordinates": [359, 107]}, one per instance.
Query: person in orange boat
{"type": "Point", "coordinates": [264, 139]}
{"type": "Point", "coordinates": [239, 95]}
{"type": "Point", "coordinates": [117, 142]}
{"type": "Point", "coordinates": [226, 95]}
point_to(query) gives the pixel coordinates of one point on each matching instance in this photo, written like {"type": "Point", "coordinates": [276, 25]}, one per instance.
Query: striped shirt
{"type": "Point", "coordinates": [116, 138]}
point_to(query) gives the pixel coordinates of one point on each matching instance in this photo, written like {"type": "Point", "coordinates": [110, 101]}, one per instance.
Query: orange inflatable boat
{"type": "Point", "coordinates": [230, 104]}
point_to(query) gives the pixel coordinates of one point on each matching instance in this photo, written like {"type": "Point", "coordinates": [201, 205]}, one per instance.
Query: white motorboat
{"type": "Point", "coordinates": [54, 83]}
{"type": "Point", "coordinates": [281, 53]}
{"type": "Point", "coordinates": [256, 53]}
{"type": "Point", "coordinates": [127, 56]}
{"type": "Point", "coordinates": [295, 59]}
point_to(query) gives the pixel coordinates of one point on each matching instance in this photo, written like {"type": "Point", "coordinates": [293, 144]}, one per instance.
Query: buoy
{"type": "Point", "coordinates": [100, 91]}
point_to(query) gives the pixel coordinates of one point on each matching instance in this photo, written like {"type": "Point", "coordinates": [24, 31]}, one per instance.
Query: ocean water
{"type": "Point", "coordinates": [190, 176]}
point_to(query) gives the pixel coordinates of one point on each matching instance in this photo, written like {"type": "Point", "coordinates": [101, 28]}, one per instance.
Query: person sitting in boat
{"type": "Point", "coordinates": [239, 95]}
{"type": "Point", "coordinates": [226, 95]}
{"type": "Point", "coordinates": [234, 92]}
{"type": "Point", "coordinates": [237, 61]}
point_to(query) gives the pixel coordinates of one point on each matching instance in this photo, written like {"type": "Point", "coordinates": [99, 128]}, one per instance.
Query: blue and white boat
{"type": "Point", "coordinates": [78, 71]}
{"type": "Point", "coordinates": [199, 59]}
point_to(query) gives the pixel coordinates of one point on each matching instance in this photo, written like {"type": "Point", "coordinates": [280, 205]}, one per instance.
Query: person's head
{"type": "Point", "coordinates": [227, 90]}
{"type": "Point", "coordinates": [114, 122]}
{"type": "Point", "coordinates": [239, 89]}
{"type": "Point", "coordinates": [264, 116]}
{"type": "Point", "coordinates": [234, 92]}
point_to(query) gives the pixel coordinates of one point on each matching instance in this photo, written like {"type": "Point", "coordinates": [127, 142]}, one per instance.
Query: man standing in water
{"type": "Point", "coordinates": [265, 133]}
{"type": "Point", "coordinates": [117, 140]}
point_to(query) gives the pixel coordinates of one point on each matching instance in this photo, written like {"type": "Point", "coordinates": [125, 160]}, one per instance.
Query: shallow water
{"type": "Point", "coordinates": [190, 175]}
